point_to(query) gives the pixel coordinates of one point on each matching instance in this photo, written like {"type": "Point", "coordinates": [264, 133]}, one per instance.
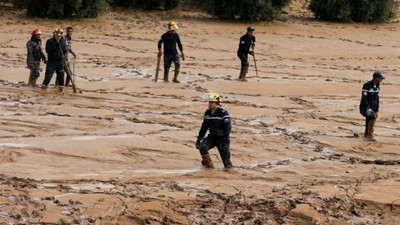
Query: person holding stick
{"type": "Point", "coordinates": [170, 39]}
{"type": "Point", "coordinates": [68, 42]}
{"type": "Point", "coordinates": [55, 62]}
{"type": "Point", "coordinates": [247, 41]}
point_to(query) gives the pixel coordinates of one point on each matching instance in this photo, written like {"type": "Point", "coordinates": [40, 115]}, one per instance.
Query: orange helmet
{"type": "Point", "coordinates": [58, 32]}
{"type": "Point", "coordinates": [36, 32]}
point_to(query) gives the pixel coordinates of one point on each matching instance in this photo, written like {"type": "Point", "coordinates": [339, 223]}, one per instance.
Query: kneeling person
{"type": "Point", "coordinates": [218, 122]}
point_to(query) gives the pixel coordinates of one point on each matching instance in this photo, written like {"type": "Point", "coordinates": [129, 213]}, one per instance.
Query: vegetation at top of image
{"type": "Point", "coordinates": [146, 5]}
{"type": "Point", "coordinates": [62, 8]}
{"type": "Point", "coordinates": [366, 11]}
{"type": "Point", "coordinates": [84, 8]}
{"type": "Point", "coordinates": [245, 9]}
{"type": "Point", "coordinates": [354, 10]}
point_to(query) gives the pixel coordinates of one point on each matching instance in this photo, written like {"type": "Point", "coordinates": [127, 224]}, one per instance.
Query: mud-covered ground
{"type": "Point", "coordinates": [122, 151]}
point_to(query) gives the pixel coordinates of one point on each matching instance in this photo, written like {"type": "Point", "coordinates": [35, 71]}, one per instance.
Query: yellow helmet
{"type": "Point", "coordinates": [213, 97]}
{"type": "Point", "coordinates": [172, 26]}
{"type": "Point", "coordinates": [58, 32]}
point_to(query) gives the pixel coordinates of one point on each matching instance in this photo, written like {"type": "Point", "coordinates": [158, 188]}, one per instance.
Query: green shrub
{"type": "Point", "coordinates": [354, 10]}
{"type": "Point", "coordinates": [62, 8]}
{"type": "Point", "coordinates": [4, 1]}
{"type": "Point", "coordinates": [146, 5]}
{"type": "Point", "coordinates": [246, 9]}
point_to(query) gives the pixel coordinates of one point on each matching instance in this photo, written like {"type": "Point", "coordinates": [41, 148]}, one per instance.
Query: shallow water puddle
{"type": "Point", "coordinates": [161, 171]}
{"type": "Point", "coordinates": [86, 138]}
{"type": "Point", "coordinates": [13, 145]}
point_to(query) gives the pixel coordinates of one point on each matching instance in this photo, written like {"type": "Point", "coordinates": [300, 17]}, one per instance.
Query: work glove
{"type": "Point", "coordinates": [183, 56]}
{"type": "Point", "coordinates": [198, 144]}
{"type": "Point", "coordinates": [223, 146]}
{"type": "Point", "coordinates": [251, 53]}
{"type": "Point", "coordinates": [159, 52]}
{"type": "Point", "coordinates": [369, 112]}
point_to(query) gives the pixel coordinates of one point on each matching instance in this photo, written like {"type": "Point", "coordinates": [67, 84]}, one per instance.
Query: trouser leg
{"type": "Point", "coordinates": [205, 146]}
{"type": "Point", "coordinates": [34, 73]}
{"type": "Point", "coordinates": [177, 69]}
{"type": "Point", "coordinates": [366, 127]}
{"type": "Point", "coordinates": [225, 155]}
{"type": "Point", "coordinates": [50, 67]}
{"type": "Point", "coordinates": [30, 77]}
{"type": "Point", "coordinates": [60, 73]}
{"type": "Point", "coordinates": [245, 71]}
{"type": "Point", "coordinates": [244, 65]}
{"type": "Point", "coordinates": [241, 73]}
{"type": "Point", "coordinates": [167, 66]}
{"type": "Point", "coordinates": [67, 78]}
{"type": "Point", "coordinates": [371, 125]}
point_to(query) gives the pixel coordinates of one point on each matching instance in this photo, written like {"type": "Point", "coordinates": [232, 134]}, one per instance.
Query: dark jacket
{"type": "Point", "coordinates": [34, 48]}
{"type": "Point", "coordinates": [371, 100]}
{"type": "Point", "coordinates": [170, 41]}
{"type": "Point", "coordinates": [219, 125]}
{"type": "Point", "coordinates": [53, 51]}
{"type": "Point", "coordinates": [245, 44]}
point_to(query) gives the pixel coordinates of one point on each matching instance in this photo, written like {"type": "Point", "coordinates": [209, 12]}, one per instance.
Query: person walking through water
{"type": "Point", "coordinates": [55, 62]}
{"type": "Point", "coordinates": [170, 40]}
{"type": "Point", "coordinates": [35, 54]}
{"type": "Point", "coordinates": [218, 122]}
{"type": "Point", "coordinates": [369, 104]}
{"type": "Point", "coordinates": [246, 42]}
{"type": "Point", "coordinates": [68, 42]}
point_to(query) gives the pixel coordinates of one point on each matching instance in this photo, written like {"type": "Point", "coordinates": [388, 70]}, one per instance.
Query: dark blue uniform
{"type": "Point", "coordinates": [170, 52]}
{"type": "Point", "coordinates": [55, 62]}
{"type": "Point", "coordinates": [369, 101]}
{"type": "Point", "coordinates": [219, 125]}
{"type": "Point", "coordinates": [244, 48]}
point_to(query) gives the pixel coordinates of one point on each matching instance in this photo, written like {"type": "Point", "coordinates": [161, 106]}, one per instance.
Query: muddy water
{"type": "Point", "coordinates": [123, 150]}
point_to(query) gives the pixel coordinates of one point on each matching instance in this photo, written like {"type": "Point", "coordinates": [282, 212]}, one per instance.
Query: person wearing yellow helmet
{"type": "Point", "coordinates": [170, 39]}
{"type": "Point", "coordinates": [54, 48]}
{"type": "Point", "coordinates": [218, 122]}
{"type": "Point", "coordinates": [35, 54]}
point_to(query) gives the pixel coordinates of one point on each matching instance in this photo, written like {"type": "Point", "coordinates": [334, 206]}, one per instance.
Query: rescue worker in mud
{"type": "Point", "coordinates": [55, 62]}
{"type": "Point", "coordinates": [35, 54]}
{"type": "Point", "coordinates": [246, 42]}
{"type": "Point", "coordinates": [170, 40]}
{"type": "Point", "coordinates": [218, 122]}
{"type": "Point", "coordinates": [369, 105]}
{"type": "Point", "coordinates": [68, 42]}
